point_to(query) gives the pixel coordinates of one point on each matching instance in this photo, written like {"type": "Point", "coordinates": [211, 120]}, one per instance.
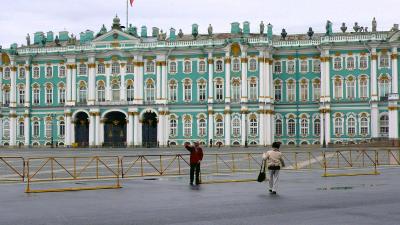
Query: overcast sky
{"type": "Point", "coordinates": [19, 17]}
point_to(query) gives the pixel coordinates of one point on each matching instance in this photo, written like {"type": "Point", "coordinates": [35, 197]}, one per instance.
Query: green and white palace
{"type": "Point", "coordinates": [125, 87]}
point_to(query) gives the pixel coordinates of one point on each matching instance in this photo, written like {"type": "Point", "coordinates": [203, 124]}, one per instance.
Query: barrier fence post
{"type": "Point", "coordinates": [23, 170]}
{"type": "Point", "coordinates": [295, 160]}
{"type": "Point", "coordinates": [216, 162]}
{"type": "Point", "coordinates": [28, 179]}
{"type": "Point", "coordinates": [52, 168]}
{"type": "Point", "coordinates": [179, 164]}
{"type": "Point", "coordinates": [75, 168]}
{"type": "Point", "coordinates": [141, 166]}
{"type": "Point", "coordinates": [118, 171]}
{"type": "Point", "coordinates": [97, 167]}
{"type": "Point", "coordinates": [324, 158]}
{"type": "Point", "coordinates": [233, 162]}
{"type": "Point", "coordinates": [161, 172]}
{"type": "Point", "coordinates": [122, 166]}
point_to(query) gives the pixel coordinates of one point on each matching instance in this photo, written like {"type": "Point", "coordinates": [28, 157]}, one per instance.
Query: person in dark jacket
{"type": "Point", "coordinates": [196, 155]}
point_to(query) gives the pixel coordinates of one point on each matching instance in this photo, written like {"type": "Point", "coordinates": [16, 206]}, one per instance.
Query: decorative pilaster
{"type": "Point", "coordinates": [227, 113]}
{"type": "Point", "coordinates": [13, 128]}
{"type": "Point", "coordinates": [244, 112]}
{"type": "Point", "coordinates": [13, 86]}
{"type": "Point", "coordinates": [92, 80]}
{"type": "Point", "coordinates": [92, 128]}
{"type": "Point", "coordinates": [139, 64]}
{"type": "Point", "coordinates": [244, 82]}
{"type": "Point", "coordinates": [108, 82]}
{"type": "Point", "coordinates": [325, 76]}
{"type": "Point", "coordinates": [374, 90]}
{"type": "Point", "coordinates": [262, 135]}
{"type": "Point", "coordinates": [136, 132]}
{"type": "Point", "coordinates": [68, 86]}
{"type": "Point", "coordinates": [158, 82]}
{"type": "Point", "coordinates": [262, 82]}
{"type": "Point", "coordinates": [211, 125]}
{"type": "Point", "coordinates": [123, 85]}
{"type": "Point", "coordinates": [73, 86]}
{"type": "Point", "coordinates": [98, 130]}
{"type": "Point", "coordinates": [269, 131]}
{"type": "Point", "coordinates": [164, 84]}
{"type": "Point", "coordinates": [227, 79]}
{"type": "Point", "coordinates": [395, 74]}
{"type": "Point", "coordinates": [210, 78]}
{"type": "Point", "coordinates": [393, 109]}
{"type": "Point", "coordinates": [27, 129]}
{"type": "Point", "coordinates": [130, 131]}
{"type": "Point", "coordinates": [68, 127]}
{"type": "Point", "coordinates": [327, 124]}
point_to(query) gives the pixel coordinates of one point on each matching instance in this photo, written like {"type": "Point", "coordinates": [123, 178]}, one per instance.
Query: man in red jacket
{"type": "Point", "coordinates": [196, 155]}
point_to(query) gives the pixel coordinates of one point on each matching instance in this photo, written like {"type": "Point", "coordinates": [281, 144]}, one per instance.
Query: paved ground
{"type": "Point", "coordinates": [303, 198]}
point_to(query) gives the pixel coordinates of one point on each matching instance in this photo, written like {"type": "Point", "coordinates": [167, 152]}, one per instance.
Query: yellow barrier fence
{"type": "Point", "coordinates": [12, 169]}
{"type": "Point", "coordinates": [51, 169]}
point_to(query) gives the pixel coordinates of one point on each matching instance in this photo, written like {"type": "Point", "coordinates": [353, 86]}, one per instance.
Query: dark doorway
{"type": "Point", "coordinates": [115, 130]}
{"type": "Point", "coordinates": [82, 129]}
{"type": "Point", "coordinates": [149, 130]}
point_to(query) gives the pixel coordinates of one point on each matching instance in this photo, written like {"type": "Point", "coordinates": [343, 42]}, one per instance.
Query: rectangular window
{"type": "Point", "coordinates": [278, 92]}
{"type": "Point", "coordinates": [219, 92]}
{"type": "Point", "coordinates": [291, 92]}
{"type": "Point", "coordinates": [304, 92]}
{"type": "Point", "coordinates": [317, 66]}
{"type": "Point", "coordinates": [202, 92]}
{"type": "Point", "coordinates": [188, 93]}
{"type": "Point", "coordinates": [317, 91]}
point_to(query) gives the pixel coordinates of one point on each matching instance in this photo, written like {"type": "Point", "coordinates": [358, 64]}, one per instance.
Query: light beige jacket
{"type": "Point", "coordinates": [274, 158]}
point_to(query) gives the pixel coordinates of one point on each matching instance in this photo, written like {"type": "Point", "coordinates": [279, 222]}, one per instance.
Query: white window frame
{"type": "Point", "coordinates": [253, 64]}
{"type": "Point", "coordinates": [304, 66]}
{"type": "Point", "coordinates": [187, 66]}
{"type": "Point", "coordinates": [200, 69]}
{"type": "Point", "coordinates": [219, 66]}
{"type": "Point", "coordinates": [360, 65]}
{"type": "Point", "coordinates": [337, 63]}
{"type": "Point", "coordinates": [290, 66]}
{"type": "Point", "coordinates": [173, 69]}
{"type": "Point", "coordinates": [350, 65]}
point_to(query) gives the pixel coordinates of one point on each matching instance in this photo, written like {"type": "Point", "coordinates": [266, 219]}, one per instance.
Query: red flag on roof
{"type": "Point", "coordinates": [131, 2]}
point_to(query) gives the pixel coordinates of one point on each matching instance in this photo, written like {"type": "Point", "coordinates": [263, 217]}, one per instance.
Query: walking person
{"type": "Point", "coordinates": [196, 155]}
{"type": "Point", "coordinates": [274, 160]}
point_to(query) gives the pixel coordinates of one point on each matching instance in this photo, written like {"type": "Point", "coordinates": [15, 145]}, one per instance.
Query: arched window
{"type": "Point", "coordinates": [48, 130]}
{"type": "Point", "coordinates": [350, 88]}
{"type": "Point", "coordinates": [187, 67]}
{"type": "Point", "coordinates": [351, 126]}
{"type": "Point", "coordinates": [21, 94]}
{"type": "Point", "coordinates": [384, 60]}
{"type": "Point", "coordinates": [364, 126]}
{"type": "Point", "coordinates": [187, 90]}
{"type": "Point", "coordinates": [36, 73]}
{"type": "Point", "coordinates": [172, 127]}
{"type": "Point", "coordinates": [384, 125]}
{"type": "Point", "coordinates": [187, 126]}
{"type": "Point", "coordinates": [49, 94]}
{"type": "Point", "coordinates": [101, 94]}
{"type": "Point", "coordinates": [304, 127]}
{"type": "Point", "coordinates": [219, 66]}
{"type": "Point", "coordinates": [82, 93]}
{"type": "Point", "coordinates": [172, 67]}
{"type": "Point", "coordinates": [290, 66]}
{"type": "Point", "coordinates": [219, 131]}
{"type": "Point", "coordinates": [130, 68]}
{"type": "Point", "coordinates": [101, 68]}
{"type": "Point", "coordinates": [115, 92]}
{"type": "Point", "coordinates": [36, 95]}
{"type": "Point", "coordinates": [21, 74]}
{"type": "Point", "coordinates": [219, 90]}
{"type": "Point", "coordinates": [7, 73]}
{"type": "Point", "coordinates": [61, 94]}
{"type": "Point", "coordinates": [338, 88]}
{"type": "Point", "coordinates": [173, 91]}
{"type": "Point", "coordinates": [236, 127]}
{"type": "Point", "coordinates": [278, 91]}
{"type": "Point", "coordinates": [384, 86]}
{"type": "Point", "coordinates": [304, 90]}
{"type": "Point", "coordinates": [49, 72]}
{"type": "Point", "coordinates": [316, 66]}
{"type": "Point", "coordinates": [363, 62]}
{"type": "Point", "coordinates": [61, 129]}
{"type": "Point", "coordinates": [304, 66]}
{"type": "Point", "coordinates": [82, 69]}
{"type": "Point", "coordinates": [278, 127]}
{"type": "Point", "coordinates": [21, 129]}
{"type": "Point", "coordinates": [130, 92]}
{"type": "Point", "coordinates": [202, 66]}
{"type": "Point", "coordinates": [363, 87]}
{"type": "Point", "coordinates": [316, 90]}
{"type": "Point", "coordinates": [252, 64]}
{"type": "Point", "coordinates": [236, 65]}
{"type": "Point", "coordinates": [291, 127]}
{"type": "Point", "coordinates": [202, 90]}
{"type": "Point", "coordinates": [115, 68]}
{"type": "Point", "coordinates": [236, 90]}
{"type": "Point", "coordinates": [337, 63]}
{"type": "Point", "coordinates": [253, 95]}
{"type": "Point", "coordinates": [317, 127]}
{"type": "Point", "coordinates": [149, 67]}
{"type": "Point", "coordinates": [338, 126]}
{"type": "Point", "coordinates": [150, 91]}
{"type": "Point", "coordinates": [277, 67]}
{"type": "Point", "coordinates": [62, 71]}
{"type": "Point", "coordinates": [202, 127]}
{"type": "Point", "coordinates": [253, 126]}
{"type": "Point", "coordinates": [6, 129]}
{"type": "Point", "coordinates": [291, 91]}
{"type": "Point", "coordinates": [350, 63]}
{"type": "Point", "coordinates": [36, 129]}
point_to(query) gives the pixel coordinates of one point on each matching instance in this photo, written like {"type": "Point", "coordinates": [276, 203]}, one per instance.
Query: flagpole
{"type": "Point", "coordinates": [126, 28]}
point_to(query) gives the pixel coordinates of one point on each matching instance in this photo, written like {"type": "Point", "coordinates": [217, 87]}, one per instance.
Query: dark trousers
{"type": "Point", "coordinates": [195, 167]}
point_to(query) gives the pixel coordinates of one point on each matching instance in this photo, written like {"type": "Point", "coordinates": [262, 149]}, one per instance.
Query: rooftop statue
{"type": "Point", "coordinates": [328, 27]}
{"type": "Point", "coordinates": [161, 36]}
{"type": "Point", "coordinates": [180, 34]}
{"type": "Point", "coordinates": [310, 32]}
{"type": "Point", "coordinates": [356, 27]}
{"type": "Point", "coordinates": [262, 27]}
{"type": "Point", "coordinates": [283, 34]}
{"type": "Point", "coordinates": [195, 30]}
{"type": "Point", "coordinates": [57, 41]}
{"type": "Point", "coordinates": [132, 30]}
{"type": "Point", "coordinates": [43, 40]}
{"type": "Point", "coordinates": [210, 30]}
{"type": "Point", "coordinates": [374, 25]}
{"type": "Point", "coordinates": [102, 31]}
{"type": "Point", "coordinates": [28, 40]}
{"type": "Point", "coordinates": [343, 27]}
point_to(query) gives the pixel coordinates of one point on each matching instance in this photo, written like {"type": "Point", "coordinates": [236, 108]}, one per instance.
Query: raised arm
{"type": "Point", "coordinates": [189, 148]}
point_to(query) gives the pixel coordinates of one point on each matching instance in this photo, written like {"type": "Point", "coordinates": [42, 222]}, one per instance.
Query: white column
{"type": "Point", "coordinates": [129, 134]}
{"type": "Point", "coordinates": [244, 75]}
{"type": "Point", "coordinates": [374, 119]}
{"type": "Point", "coordinates": [244, 130]}
{"type": "Point", "coordinates": [227, 127]}
{"type": "Point", "coordinates": [164, 84]}
{"type": "Point", "coordinates": [393, 119]}
{"type": "Point", "coordinates": [269, 128]}
{"type": "Point", "coordinates": [166, 126]}
{"type": "Point", "coordinates": [108, 82]}
{"type": "Point", "coordinates": [1, 128]}
{"type": "Point", "coordinates": [395, 74]}
{"type": "Point", "coordinates": [27, 85]}
{"type": "Point", "coordinates": [262, 81]}
{"type": "Point", "coordinates": [92, 81]}
{"type": "Point", "coordinates": [123, 85]}
{"type": "Point", "coordinates": [68, 85]}
{"type": "Point", "coordinates": [210, 78]}
{"type": "Point", "coordinates": [68, 129]}
{"type": "Point", "coordinates": [327, 127]}
{"type": "Point", "coordinates": [98, 130]}
{"type": "Point", "coordinates": [73, 85]}
{"type": "Point", "coordinates": [211, 126]}
{"type": "Point", "coordinates": [135, 128]}
{"type": "Point", "coordinates": [158, 82]}
{"type": "Point", "coordinates": [269, 80]}
{"type": "Point", "coordinates": [13, 127]}
{"type": "Point", "coordinates": [27, 129]}
{"type": "Point", "coordinates": [1, 88]}
{"type": "Point", "coordinates": [139, 80]}
{"type": "Point", "coordinates": [72, 137]}
{"type": "Point", "coordinates": [322, 126]}
{"type": "Point", "coordinates": [101, 132]}
{"type": "Point", "coordinates": [374, 90]}
{"type": "Point", "coordinates": [92, 128]}
{"type": "Point", "coordinates": [227, 78]}
{"type": "Point", "coordinates": [13, 86]}
{"type": "Point", "coordinates": [261, 119]}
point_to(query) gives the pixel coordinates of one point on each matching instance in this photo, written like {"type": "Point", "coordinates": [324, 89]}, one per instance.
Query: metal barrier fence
{"type": "Point", "coordinates": [12, 169]}
{"type": "Point", "coordinates": [50, 169]}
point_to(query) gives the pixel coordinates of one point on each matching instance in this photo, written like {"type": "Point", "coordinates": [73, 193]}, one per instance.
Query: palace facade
{"type": "Point", "coordinates": [122, 87]}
